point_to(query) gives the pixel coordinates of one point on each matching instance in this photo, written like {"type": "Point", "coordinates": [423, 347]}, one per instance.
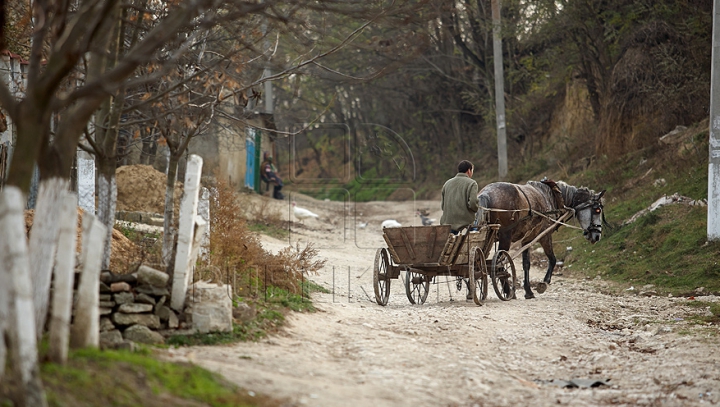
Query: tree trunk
{"type": "Point", "coordinates": [21, 327]}
{"type": "Point", "coordinates": [149, 148]}
{"type": "Point", "coordinates": [43, 243]}
{"type": "Point", "coordinates": [107, 140]}
{"type": "Point", "coordinates": [169, 230]}
{"type": "Point", "coordinates": [63, 283]}
{"type": "Point", "coordinates": [25, 152]}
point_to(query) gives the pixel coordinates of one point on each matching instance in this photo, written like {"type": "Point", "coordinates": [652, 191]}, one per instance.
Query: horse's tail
{"type": "Point", "coordinates": [481, 216]}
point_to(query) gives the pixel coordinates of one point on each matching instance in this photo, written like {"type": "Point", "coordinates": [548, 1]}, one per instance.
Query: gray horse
{"type": "Point", "coordinates": [524, 211]}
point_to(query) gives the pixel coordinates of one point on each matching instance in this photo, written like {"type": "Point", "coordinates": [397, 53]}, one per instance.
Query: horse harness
{"type": "Point", "coordinates": [557, 194]}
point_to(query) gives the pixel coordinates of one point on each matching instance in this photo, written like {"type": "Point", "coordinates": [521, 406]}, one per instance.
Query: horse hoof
{"type": "Point", "coordinates": [529, 296]}
{"type": "Point", "coordinates": [541, 287]}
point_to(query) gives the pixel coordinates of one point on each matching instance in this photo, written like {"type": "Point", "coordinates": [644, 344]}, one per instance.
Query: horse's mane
{"type": "Point", "coordinates": [572, 195]}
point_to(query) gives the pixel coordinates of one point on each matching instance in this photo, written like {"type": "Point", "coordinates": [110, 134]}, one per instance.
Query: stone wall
{"type": "Point", "coordinates": [134, 308]}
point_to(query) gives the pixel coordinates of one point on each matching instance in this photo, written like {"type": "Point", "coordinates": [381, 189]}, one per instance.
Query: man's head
{"type": "Point", "coordinates": [269, 158]}
{"type": "Point", "coordinates": [465, 166]}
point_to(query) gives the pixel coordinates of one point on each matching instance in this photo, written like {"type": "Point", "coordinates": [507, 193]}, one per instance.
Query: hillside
{"type": "Point", "coordinates": [665, 248]}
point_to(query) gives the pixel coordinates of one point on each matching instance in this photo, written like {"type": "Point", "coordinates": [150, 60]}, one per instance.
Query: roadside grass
{"type": "Point", "coordinates": [668, 247]}
{"type": "Point", "coordinates": [364, 188]}
{"type": "Point", "coordinates": [276, 230]}
{"type": "Point", "coordinates": [121, 378]}
{"type": "Point", "coordinates": [271, 309]}
{"type": "Point", "coordinates": [712, 307]}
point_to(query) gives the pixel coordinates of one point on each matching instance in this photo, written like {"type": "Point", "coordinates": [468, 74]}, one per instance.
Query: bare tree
{"type": "Point", "coordinates": [76, 63]}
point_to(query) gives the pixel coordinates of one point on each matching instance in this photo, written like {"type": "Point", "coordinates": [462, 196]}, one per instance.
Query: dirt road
{"type": "Point", "coordinates": [449, 352]}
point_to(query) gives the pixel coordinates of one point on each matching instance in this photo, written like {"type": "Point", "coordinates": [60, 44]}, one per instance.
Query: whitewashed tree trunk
{"type": "Point", "coordinates": [63, 283]}
{"type": "Point", "coordinates": [43, 243]}
{"type": "Point", "coordinates": [85, 330]}
{"type": "Point", "coordinates": [107, 197]}
{"type": "Point", "coordinates": [186, 231]}
{"type": "Point", "coordinates": [21, 326]}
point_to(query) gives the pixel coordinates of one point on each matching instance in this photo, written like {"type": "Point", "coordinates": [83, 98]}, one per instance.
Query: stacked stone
{"type": "Point", "coordinates": [146, 218]}
{"type": "Point", "coordinates": [134, 307]}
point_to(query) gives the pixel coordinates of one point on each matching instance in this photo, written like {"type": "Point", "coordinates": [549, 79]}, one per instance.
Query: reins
{"type": "Point", "coordinates": [543, 214]}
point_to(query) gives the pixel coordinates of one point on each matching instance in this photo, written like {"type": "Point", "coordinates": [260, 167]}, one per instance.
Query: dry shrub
{"type": "Point", "coordinates": [265, 214]}
{"type": "Point", "coordinates": [290, 265]}
{"type": "Point", "coordinates": [146, 248]}
{"type": "Point", "coordinates": [238, 258]}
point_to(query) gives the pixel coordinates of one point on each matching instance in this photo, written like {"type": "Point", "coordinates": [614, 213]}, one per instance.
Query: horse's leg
{"type": "Point", "coordinates": [526, 274]}
{"type": "Point", "coordinates": [546, 243]}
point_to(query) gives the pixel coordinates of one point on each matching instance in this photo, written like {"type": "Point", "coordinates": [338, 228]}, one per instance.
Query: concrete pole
{"type": "Point", "coordinates": [186, 233]}
{"type": "Point", "coordinates": [267, 72]}
{"type": "Point", "coordinates": [64, 275]}
{"type": "Point", "coordinates": [713, 216]}
{"type": "Point", "coordinates": [499, 91]}
{"type": "Point", "coordinates": [85, 329]}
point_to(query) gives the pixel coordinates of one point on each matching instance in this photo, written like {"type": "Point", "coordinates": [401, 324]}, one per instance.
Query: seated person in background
{"type": "Point", "coordinates": [268, 172]}
{"type": "Point", "coordinates": [460, 198]}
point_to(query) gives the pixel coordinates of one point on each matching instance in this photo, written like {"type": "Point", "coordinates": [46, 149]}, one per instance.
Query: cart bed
{"type": "Point", "coordinates": [435, 245]}
{"type": "Point", "coordinates": [416, 244]}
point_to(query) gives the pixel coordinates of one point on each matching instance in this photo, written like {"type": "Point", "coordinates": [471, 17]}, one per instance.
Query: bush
{"type": "Point", "coordinates": [237, 258]}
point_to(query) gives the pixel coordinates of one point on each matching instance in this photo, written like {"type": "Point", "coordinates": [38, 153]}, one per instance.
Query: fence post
{"type": "Point", "coordinates": [204, 212]}
{"type": "Point", "coordinates": [186, 232]}
{"type": "Point", "coordinates": [85, 330]}
{"type": "Point", "coordinates": [43, 244]}
{"type": "Point", "coordinates": [62, 296]}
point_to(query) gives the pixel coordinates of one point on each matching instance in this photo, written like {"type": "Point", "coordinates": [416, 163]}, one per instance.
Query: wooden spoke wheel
{"type": "Point", "coordinates": [381, 276]}
{"type": "Point", "coordinates": [478, 279]}
{"type": "Point", "coordinates": [417, 287]}
{"type": "Point", "coordinates": [503, 275]}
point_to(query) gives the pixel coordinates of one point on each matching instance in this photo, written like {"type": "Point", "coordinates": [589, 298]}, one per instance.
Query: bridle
{"type": "Point", "coordinates": [597, 209]}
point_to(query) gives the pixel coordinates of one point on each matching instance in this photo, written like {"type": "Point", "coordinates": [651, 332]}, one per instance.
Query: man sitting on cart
{"type": "Point", "coordinates": [460, 198]}
{"type": "Point", "coordinates": [460, 202]}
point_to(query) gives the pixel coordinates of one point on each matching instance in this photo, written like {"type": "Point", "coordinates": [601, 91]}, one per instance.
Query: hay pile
{"type": "Point", "coordinates": [141, 188]}
{"type": "Point", "coordinates": [124, 256]}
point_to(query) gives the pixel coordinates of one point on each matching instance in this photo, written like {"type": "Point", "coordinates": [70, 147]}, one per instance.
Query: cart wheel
{"type": "Point", "coordinates": [417, 287]}
{"type": "Point", "coordinates": [477, 271]}
{"type": "Point", "coordinates": [381, 277]}
{"type": "Point", "coordinates": [503, 275]}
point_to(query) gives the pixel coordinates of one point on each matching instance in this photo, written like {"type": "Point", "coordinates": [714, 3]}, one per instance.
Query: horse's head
{"type": "Point", "coordinates": [590, 215]}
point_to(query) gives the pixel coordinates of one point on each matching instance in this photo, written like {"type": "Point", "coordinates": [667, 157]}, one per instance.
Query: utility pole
{"type": "Point", "coordinates": [500, 91]}
{"type": "Point", "coordinates": [268, 94]}
{"type": "Point", "coordinates": [713, 215]}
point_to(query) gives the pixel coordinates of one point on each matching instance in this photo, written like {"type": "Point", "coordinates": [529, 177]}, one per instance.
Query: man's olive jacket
{"type": "Point", "coordinates": [459, 201]}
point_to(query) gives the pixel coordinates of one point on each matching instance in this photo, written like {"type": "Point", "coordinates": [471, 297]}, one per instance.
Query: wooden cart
{"type": "Point", "coordinates": [425, 252]}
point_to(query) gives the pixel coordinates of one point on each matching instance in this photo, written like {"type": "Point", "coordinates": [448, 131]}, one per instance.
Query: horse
{"type": "Point", "coordinates": [525, 211]}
